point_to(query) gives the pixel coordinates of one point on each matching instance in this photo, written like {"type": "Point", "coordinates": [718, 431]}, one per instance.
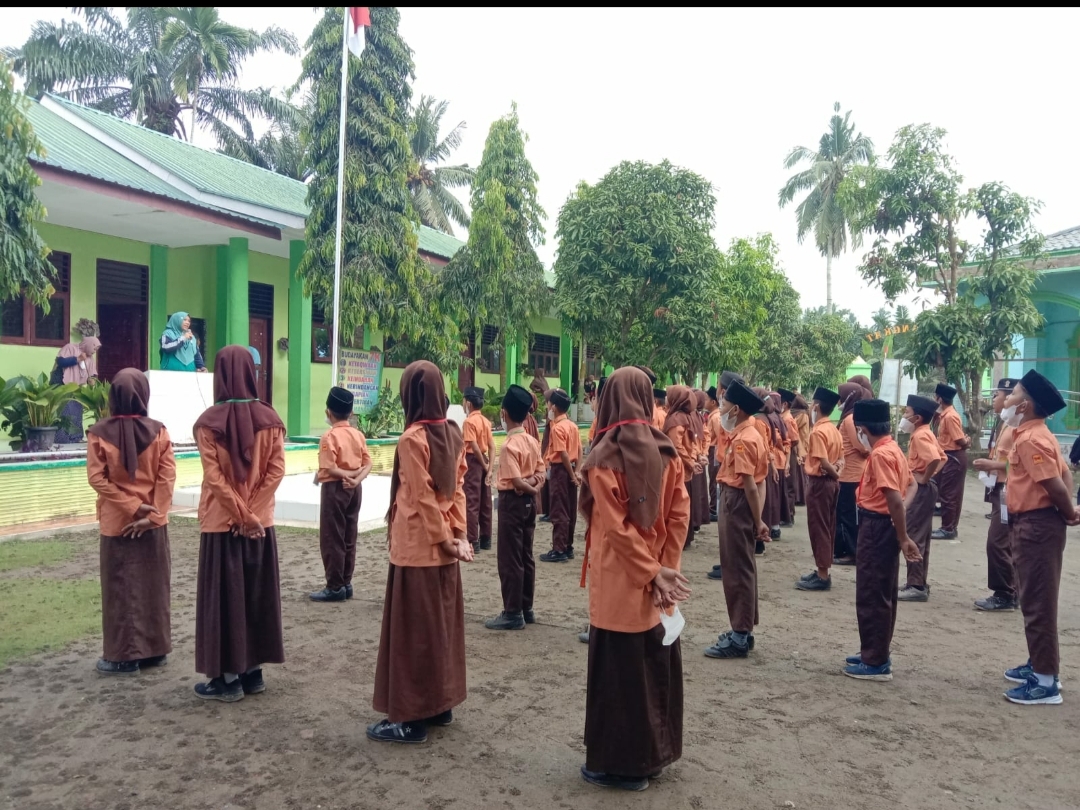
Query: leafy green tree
{"type": "Point", "coordinates": [23, 266]}
{"type": "Point", "coordinates": [776, 360]}
{"type": "Point", "coordinates": [497, 278]}
{"type": "Point", "coordinates": [282, 148]}
{"type": "Point", "coordinates": [429, 183]}
{"type": "Point", "coordinates": [385, 284]}
{"type": "Point", "coordinates": [154, 66]}
{"type": "Point", "coordinates": [824, 349]}
{"type": "Point", "coordinates": [839, 151]}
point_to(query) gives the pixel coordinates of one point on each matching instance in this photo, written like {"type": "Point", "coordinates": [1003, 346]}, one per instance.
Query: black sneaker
{"type": "Point", "coordinates": [544, 519]}
{"type": "Point", "coordinates": [814, 583]}
{"type": "Point", "coordinates": [989, 516]}
{"type": "Point", "coordinates": [995, 603]}
{"type": "Point", "coordinates": [716, 567]}
{"type": "Point", "coordinates": [409, 733]}
{"type": "Point", "coordinates": [583, 637]}
{"type": "Point", "coordinates": [155, 661]}
{"type": "Point", "coordinates": [909, 593]}
{"type": "Point", "coordinates": [749, 638]}
{"type": "Point", "coordinates": [485, 544]}
{"type": "Point", "coordinates": [441, 720]}
{"type": "Point", "coordinates": [117, 667]}
{"type": "Point", "coordinates": [475, 547]}
{"type": "Point", "coordinates": [774, 533]}
{"type": "Point", "coordinates": [937, 511]}
{"type": "Point", "coordinates": [348, 591]}
{"type": "Point", "coordinates": [506, 621]}
{"type": "Point", "coordinates": [570, 553]}
{"type": "Point", "coordinates": [716, 573]}
{"type": "Point", "coordinates": [941, 534]}
{"type": "Point", "coordinates": [606, 780]}
{"type": "Point", "coordinates": [327, 595]}
{"type": "Point", "coordinates": [788, 525]}
{"type": "Point", "coordinates": [712, 517]}
{"type": "Point", "coordinates": [554, 556]}
{"type": "Point", "coordinates": [529, 616]}
{"type": "Point", "coordinates": [252, 682]}
{"type": "Point", "coordinates": [217, 689]}
{"type": "Point", "coordinates": [727, 647]}
{"type": "Point", "coordinates": [845, 560]}
{"type": "Point", "coordinates": [759, 547]}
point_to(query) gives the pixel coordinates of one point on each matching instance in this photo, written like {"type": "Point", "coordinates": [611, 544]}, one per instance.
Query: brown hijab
{"type": "Point", "coordinates": [530, 421]}
{"type": "Point", "coordinates": [680, 403]}
{"type": "Point", "coordinates": [237, 414]}
{"type": "Point", "coordinates": [626, 441]}
{"type": "Point", "coordinates": [423, 400]}
{"type": "Point", "coordinates": [547, 422]}
{"type": "Point", "coordinates": [127, 428]}
{"type": "Point", "coordinates": [850, 393]}
{"type": "Point", "coordinates": [800, 403]}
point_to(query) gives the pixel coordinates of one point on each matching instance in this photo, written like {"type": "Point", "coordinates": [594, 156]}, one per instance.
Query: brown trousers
{"type": "Point", "coordinates": [920, 524]}
{"type": "Point", "coordinates": [770, 510]}
{"type": "Point", "coordinates": [877, 568]}
{"type": "Point", "coordinates": [562, 508]}
{"type": "Point", "coordinates": [477, 501]}
{"type": "Point", "coordinates": [847, 520]}
{"type": "Point", "coordinates": [699, 504]}
{"type": "Point", "coordinates": [710, 482]}
{"type": "Point", "coordinates": [517, 567]}
{"type": "Point", "coordinates": [787, 498]}
{"type": "Point", "coordinates": [950, 481]}
{"type": "Point", "coordinates": [798, 479]}
{"type": "Point", "coordinates": [1000, 569]}
{"type": "Point", "coordinates": [1038, 547]}
{"type": "Point", "coordinates": [821, 494]}
{"type": "Point", "coordinates": [737, 541]}
{"type": "Point", "coordinates": [339, 509]}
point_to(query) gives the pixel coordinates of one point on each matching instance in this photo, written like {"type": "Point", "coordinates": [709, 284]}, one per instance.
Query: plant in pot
{"type": "Point", "coordinates": [13, 411]}
{"type": "Point", "coordinates": [43, 402]}
{"type": "Point", "coordinates": [94, 397]}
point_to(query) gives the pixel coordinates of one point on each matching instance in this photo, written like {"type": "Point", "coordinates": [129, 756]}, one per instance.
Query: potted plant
{"type": "Point", "coordinates": [94, 397]}
{"type": "Point", "coordinates": [43, 402]}
{"type": "Point", "coordinates": [13, 411]}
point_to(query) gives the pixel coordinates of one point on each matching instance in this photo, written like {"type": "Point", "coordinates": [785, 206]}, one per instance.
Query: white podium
{"type": "Point", "coordinates": [177, 400]}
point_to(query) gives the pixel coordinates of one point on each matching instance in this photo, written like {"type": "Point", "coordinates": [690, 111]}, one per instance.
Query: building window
{"type": "Point", "coordinates": [544, 355]}
{"type": "Point", "coordinates": [490, 359]}
{"type": "Point", "coordinates": [23, 323]}
{"type": "Point", "coordinates": [321, 351]}
{"type": "Point", "coordinates": [593, 367]}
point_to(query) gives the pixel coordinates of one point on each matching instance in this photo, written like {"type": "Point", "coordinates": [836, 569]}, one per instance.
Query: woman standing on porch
{"type": "Point", "coordinates": [76, 363]}
{"type": "Point", "coordinates": [179, 348]}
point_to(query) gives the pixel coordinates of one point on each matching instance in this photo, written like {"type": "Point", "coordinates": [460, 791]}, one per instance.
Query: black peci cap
{"type": "Point", "coordinates": [923, 406]}
{"type": "Point", "coordinates": [517, 403]}
{"type": "Point", "coordinates": [1007, 384]}
{"type": "Point", "coordinates": [1043, 391]}
{"type": "Point", "coordinates": [474, 395]}
{"type": "Point", "coordinates": [946, 392]}
{"type": "Point", "coordinates": [560, 399]}
{"type": "Point", "coordinates": [713, 393]}
{"type": "Point", "coordinates": [648, 373]}
{"type": "Point", "coordinates": [728, 377]}
{"type": "Point", "coordinates": [872, 412]}
{"type": "Point", "coordinates": [660, 394]}
{"type": "Point", "coordinates": [340, 400]}
{"type": "Point", "coordinates": [738, 394]}
{"type": "Point", "coordinates": [827, 398]}
{"type": "Point", "coordinates": [785, 395]}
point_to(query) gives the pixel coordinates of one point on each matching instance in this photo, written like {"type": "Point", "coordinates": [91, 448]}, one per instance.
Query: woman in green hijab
{"type": "Point", "coordinates": [179, 349]}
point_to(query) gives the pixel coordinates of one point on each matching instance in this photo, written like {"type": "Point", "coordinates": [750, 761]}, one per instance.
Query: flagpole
{"type": "Point", "coordinates": [336, 324]}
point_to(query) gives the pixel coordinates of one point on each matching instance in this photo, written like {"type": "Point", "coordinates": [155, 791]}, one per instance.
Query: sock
{"type": "Point", "coordinates": [1045, 680]}
{"type": "Point", "coordinates": [229, 677]}
{"type": "Point", "coordinates": [739, 637]}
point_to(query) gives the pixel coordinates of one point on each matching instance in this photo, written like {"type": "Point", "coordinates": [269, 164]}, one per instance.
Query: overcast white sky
{"type": "Point", "coordinates": [728, 92]}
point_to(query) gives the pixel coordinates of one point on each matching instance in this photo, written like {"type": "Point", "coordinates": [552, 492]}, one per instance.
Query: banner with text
{"type": "Point", "coordinates": [360, 371]}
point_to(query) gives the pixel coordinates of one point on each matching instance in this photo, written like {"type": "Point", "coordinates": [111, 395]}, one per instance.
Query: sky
{"type": "Point", "coordinates": [729, 92]}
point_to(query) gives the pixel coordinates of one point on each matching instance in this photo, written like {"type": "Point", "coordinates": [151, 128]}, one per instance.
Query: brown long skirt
{"type": "Point", "coordinates": [821, 494]}
{"type": "Point", "coordinates": [238, 604]}
{"type": "Point", "coordinates": [634, 703]}
{"type": "Point", "coordinates": [877, 567]}
{"type": "Point", "coordinates": [950, 481]}
{"type": "Point", "coordinates": [1038, 548]}
{"type": "Point", "coordinates": [770, 511]}
{"type": "Point", "coordinates": [920, 523]}
{"type": "Point", "coordinates": [787, 499]}
{"type": "Point", "coordinates": [135, 596]}
{"type": "Point", "coordinates": [339, 513]}
{"type": "Point", "coordinates": [699, 504]}
{"type": "Point", "coordinates": [737, 541]}
{"type": "Point", "coordinates": [1000, 568]}
{"type": "Point", "coordinates": [420, 671]}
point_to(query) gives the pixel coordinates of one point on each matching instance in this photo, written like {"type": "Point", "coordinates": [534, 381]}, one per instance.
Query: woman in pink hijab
{"type": "Point", "coordinates": [76, 363]}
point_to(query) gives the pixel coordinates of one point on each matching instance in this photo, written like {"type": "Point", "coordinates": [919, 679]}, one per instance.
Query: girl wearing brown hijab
{"type": "Point", "coordinates": [774, 434]}
{"type": "Point", "coordinates": [420, 672]}
{"type": "Point", "coordinates": [683, 428]}
{"type": "Point", "coordinates": [129, 462]}
{"type": "Point", "coordinates": [699, 510]}
{"type": "Point", "coordinates": [634, 498]}
{"type": "Point", "coordinates": [238, 605]}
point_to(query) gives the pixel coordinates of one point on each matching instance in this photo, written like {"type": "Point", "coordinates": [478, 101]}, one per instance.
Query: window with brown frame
{"type": "Point", "coordinates": [490, 358]}
{"type": "Point", "coordinates": [23, 323]}
{"type": "Point", "coordinates": [321, 350]}
{"type": "Point", "coordinates": [544, 354]}
{"type": "Point", "coordinates": [592, 361]}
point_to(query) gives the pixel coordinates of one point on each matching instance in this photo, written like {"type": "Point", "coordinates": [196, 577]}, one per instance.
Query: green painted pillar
{"type": "Point", "coordinates": [221, 332]}
{"type": "Point", "coordinates": [299, 346]}
{"type": "Point", "coordinates": [609, 370]}
{"type": "Point", "coordinates": [566, 362]}
{"type": "Point", "coordinates": [714, 380]}
{"type": "Point", "coordinates": [511, 363]}
{"type": "Point", "coordinates": [237, 323]}
{"type": "Point", "coordinates": [159, 313]}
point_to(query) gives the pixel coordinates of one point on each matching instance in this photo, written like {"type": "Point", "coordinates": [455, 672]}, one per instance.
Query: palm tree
{"type": "Point", "coordinates": [838, 152]}
{"type": "Point", "coordinates": [282, 148]}
{"type": "Point", "coordinates": [153, 67]}
{"type": "Point", "coordinates": [430, 184]}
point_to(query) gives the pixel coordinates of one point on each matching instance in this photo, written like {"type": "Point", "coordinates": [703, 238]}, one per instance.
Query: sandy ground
{"type": "Point", "coordinates": [781, 729]}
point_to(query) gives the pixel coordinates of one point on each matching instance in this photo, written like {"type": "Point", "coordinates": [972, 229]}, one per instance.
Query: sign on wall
{"type": "Point", "coordinates": [360, 371]}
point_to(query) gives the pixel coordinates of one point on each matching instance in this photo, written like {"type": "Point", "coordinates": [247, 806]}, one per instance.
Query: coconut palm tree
{"type": "Point", "coordinates": [282, 148]}
{"type": "Point", "coordinates": [430, 184]}
{"type": "Point", "coordinates": [839, 151]}
{"type": "Point", "coordinates": [154, 66]}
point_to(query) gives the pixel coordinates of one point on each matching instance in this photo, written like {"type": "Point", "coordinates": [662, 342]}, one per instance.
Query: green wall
{"type": "Point", "coordinates": [266, 269]}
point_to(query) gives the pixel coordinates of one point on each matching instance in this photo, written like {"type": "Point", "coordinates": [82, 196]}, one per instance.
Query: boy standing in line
{"type": "Point", "coordinates": [951, 476]}
{"type": "Point", "coordinates": [562, 457]}
{"type": "Point", "coordinates": [925, 457]}
{"type": "Point", "coordinates": [479, 444]}
{"type": "Point", "coordinates": [713, 431]}
{"type": "Point", "coordinates": [824, 461]}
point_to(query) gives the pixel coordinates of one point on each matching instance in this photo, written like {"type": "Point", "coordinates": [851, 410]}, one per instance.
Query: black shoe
{"type": "Point", "coordinates": [348, 591]}
{"type": "Point", "coordinates": [788, 525]}
{"type": "Point", "coordinates": [814, 583]}
{"type": "Point", "coordinates": [941, 534]}
{"type": "Point", "coordinates": [544, 519]}
{"type": "Point", "coordinates": [570, 553]}
{"type": "Point", "coordinates": [727, 647]}
{"type": "Point", "coordinates": [716, 573]}
{"type": "Point", "coordinates": [554, 556]}
{"type": "Point", "coordinates": [583, 637]}
{"type": "Point", "coordinates": [847, 560]}
{"type": "Point", "coordinates": [252, 682]}
{"type": "Point", "coordinates": [117, 667]}
{"type": "Point", "coordinates": [327, 595]}
{"type": "Point", "coordinates": [441, 720]}
{"type": "Point", "coordinates": [995, 603]}
{"type": "Point", "coordinates": [937, 511]}
{"type": "Point", "coordinates": [749, 638]}
{"type": "Point", "coordinates": [989, 516]}
{"type": "Point", "coordinates": [156, 661]}
{"type": "Point", "coordinates": [716, 567]}
{"type": "Point", "coordinates": [506, 621]}
{"type": "Point", "coordinates": [774, 534]}
{"type": "Point", "coordinates": [606, 780]}
{"type": "Point", "coordinates": [712, 517]}
{"type": "Point", "coordinates": [528, 616]}
{"type": "Point", "coordinates": [217, 689]}
{"type": "Point", "coordinates": [759, 547]}
{"type": "Point", "coordinates": [385, 731]}
{"type": "Point", "coordinates": [485, 544]}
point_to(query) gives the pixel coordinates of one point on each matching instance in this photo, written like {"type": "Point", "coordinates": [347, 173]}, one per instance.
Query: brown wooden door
{"type": "Point", "coordinates": [260, 336]}
{"type": "Point", "coordinates": [123, 317]}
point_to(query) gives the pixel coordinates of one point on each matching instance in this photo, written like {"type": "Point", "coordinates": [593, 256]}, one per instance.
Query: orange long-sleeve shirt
{"type": "Point", "coordinates": [224, 502]}
{"type": "Point", "coordinates": [950, 430]}
{"type": "Point", "coordinates": [622, 559]}
{"type": "Point", "coordinates": [684, 443]}
{"type": "Point", "coordinates": [119, 497]}
{"type": "Point", "coordinates": [344, 447]}
{"type": "Point", "coordinates": [855, 454]}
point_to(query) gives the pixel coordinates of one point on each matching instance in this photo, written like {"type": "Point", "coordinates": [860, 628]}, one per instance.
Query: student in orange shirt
{"type": "Point", "coordinates": [886, 480]}
{"type": "Point", "coordinates": [794, 467]}
{"type": "Point", "coordinates": [712, 431]}
{"type": "Point", "coordinates": [1040, 505]}
{"type": "Point", "coordinates": [925, 457]}
{"type": "Point", "coordinates": [420, 669]}
{"type": "Point", "coordinates": [699, 509]}
{"type": "Point", "coordinates": [129, 463]}
{"type": "Point", "coordinates": [720, 442]}
{"type": "Point", "coordinates": [800, 412]}
{"type": "Point", "coordinates": [479, 446]}
{"type": "Point", "coordinates": [684, 431]}
{"type": "Point", "coordinates": [824, 461]}
{"type": "Point", "coordinates": [742, 478]}
{"type": "Point", "coordinates": [1000, 569]}
{"type": "Point", "coordinates": [847, 523]}
{"type": "Point", "coordinates": [659, 408]}
{"type": "Point", "coordinates": [344, 463]}
{"type": "Point", "coordinates": [521, 474]}
{"type": "Point", "coordinates": [562, 458]}
{"type": "Point", "coordinates": [951, 476]}
{"type": "Point", "coordinates": [634, 500]}
{"type": "Point", "coordinates": [238, 603]}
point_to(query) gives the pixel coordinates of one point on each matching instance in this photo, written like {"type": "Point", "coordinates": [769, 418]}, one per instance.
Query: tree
{"type": "Point", "coordinates": [824, 351]}
{"type": "Point", "coordinates": [839, 151]}
{"type": "Point", "coordinates": [430, 184]}
{"type": "Point", "coordinates": [23, 266]}
{"type": "Point", "coordinates": [385, 285]}
{"type": "Point", "coordinates": [776, 356]}
{"type": "Point", "coordinates": [497, 278]}
{"type": "Point", "coordinates": [282, 148]}
{"type": "Point", "coordinates": [153, 67]}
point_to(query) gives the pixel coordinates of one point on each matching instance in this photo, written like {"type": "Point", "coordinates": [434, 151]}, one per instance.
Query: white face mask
{"type": "Point", "coordinates": [865, 442]}
{"type": "Point", "coordinates": [728, 421]}
{"type": "Point", "coordinates": [1010, 417]}
{"type": "Point", "coordinates": [814, 416]}
{"type": "Point", "coordinates": [906, 425]}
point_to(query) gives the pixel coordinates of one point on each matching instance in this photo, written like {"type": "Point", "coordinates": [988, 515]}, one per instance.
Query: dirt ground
{"type": "Point", "coordinates": [781, 729]}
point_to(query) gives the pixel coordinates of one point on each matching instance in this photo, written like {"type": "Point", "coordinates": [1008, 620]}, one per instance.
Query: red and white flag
{"type": "Point", "coordinates": [358, 19]}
